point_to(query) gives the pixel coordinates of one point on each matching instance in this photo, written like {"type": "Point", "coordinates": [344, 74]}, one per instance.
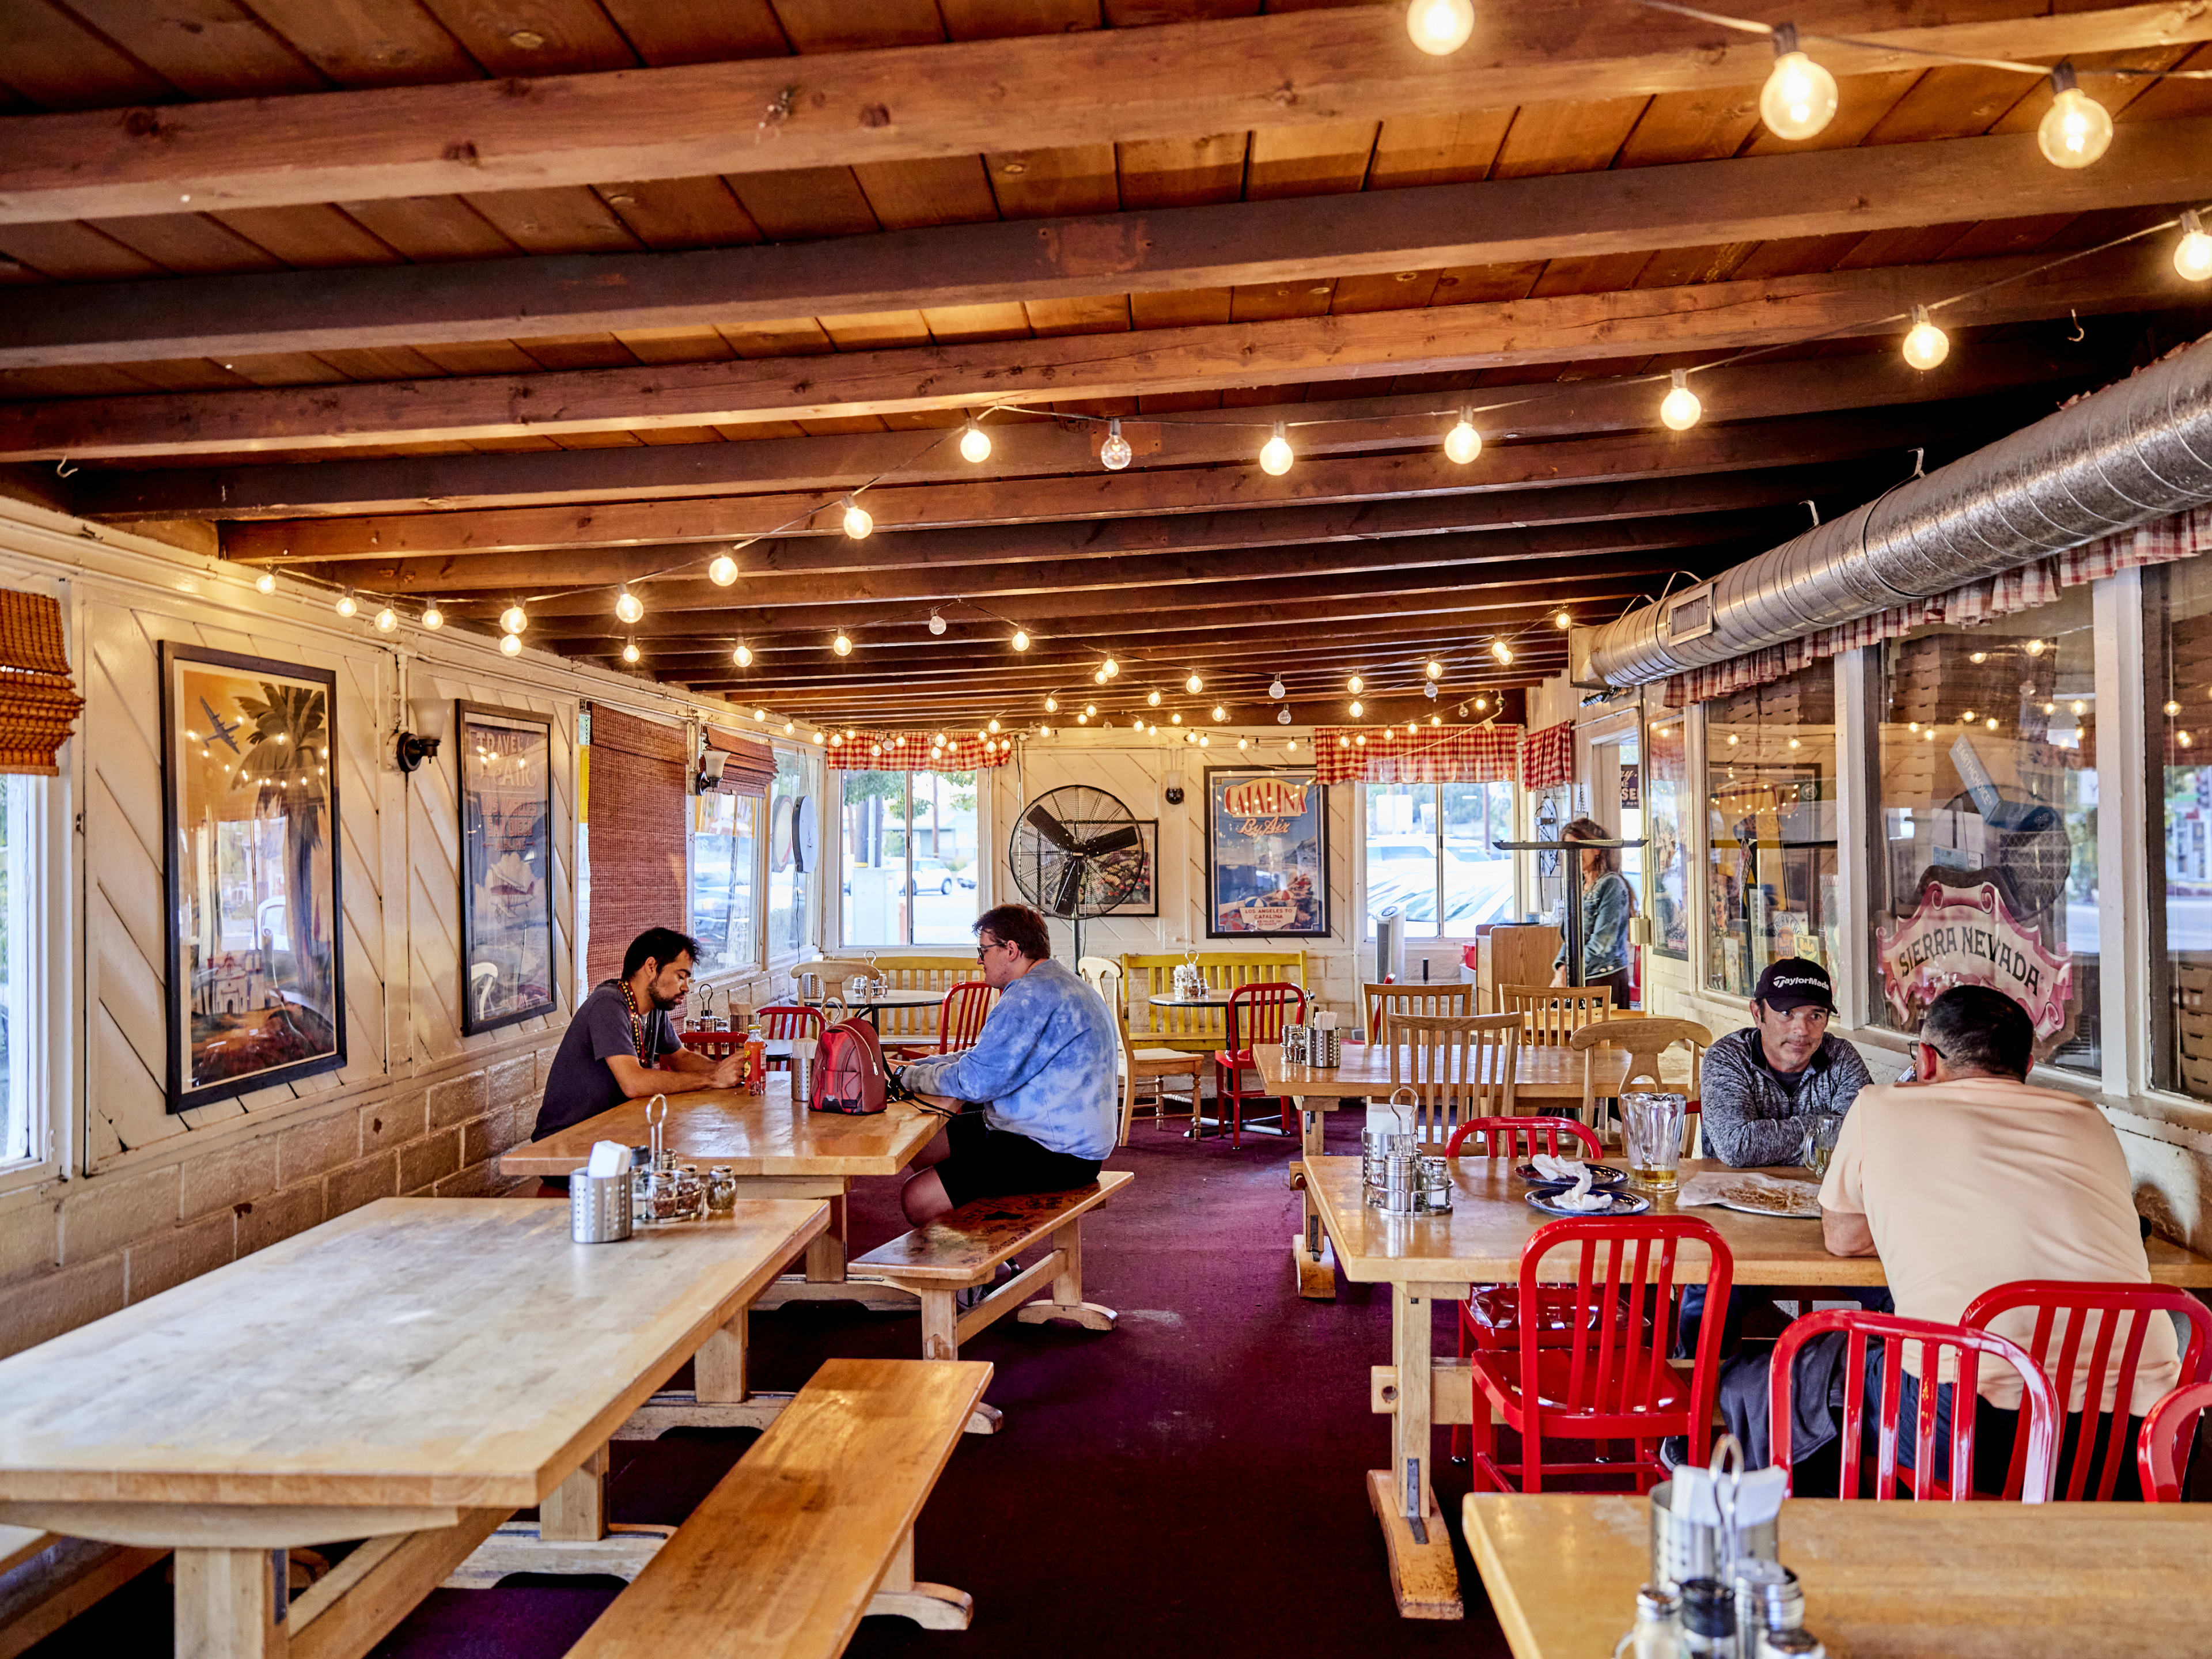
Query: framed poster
{"type": "Point", "coordinates": [1266, 853]}
{"type": "Point", "coordinates": [1143, 861]}
{"type": "Point", "coordinates": [250, 837]}
{"type": "Point", "coordinates": [507, 865]}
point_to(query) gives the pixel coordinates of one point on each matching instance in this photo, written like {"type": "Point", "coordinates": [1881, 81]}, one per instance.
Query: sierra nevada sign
{"type": "Point", "coordinates": [1966, 936]}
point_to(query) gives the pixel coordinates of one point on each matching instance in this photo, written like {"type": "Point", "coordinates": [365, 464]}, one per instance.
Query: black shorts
{"type": "Point", "coordinates": [988, 1163]}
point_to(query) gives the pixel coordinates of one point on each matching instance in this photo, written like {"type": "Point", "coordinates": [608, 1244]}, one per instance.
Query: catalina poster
{"type": "Point", "coordinates": [1267, 853]}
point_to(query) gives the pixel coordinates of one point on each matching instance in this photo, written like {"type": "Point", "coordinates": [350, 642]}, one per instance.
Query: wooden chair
{"type": "Point", "coordinates": [1465, 1061]}
{"type": "Point", "coordinates": [1421, 1001]}
{"type": "Point", "coordinates": [2038, 1402]}
{"type": "Point", "coordinates": [1257, 1014]}
{"type": "Point", "coordinates": [1200, 1030]}
{"type": "Point", "coordinates": [1140, 1067]}
{"type": "Point", "coordinates": [1094, 971]}
{"type": "Point", "coordinates": [1552, 1013]}
{"type": "Point", "coordinates": [2169, 1429]}
{"type": "Point", "coordinates": [1645, 1040]}
{"type": "Point", "coordinates": [2089, 1338]}
{"type": "Point", "coordinates": [961, 1014]}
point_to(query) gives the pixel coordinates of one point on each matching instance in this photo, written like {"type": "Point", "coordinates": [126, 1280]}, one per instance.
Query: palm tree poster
{"type": "Point", "coordinates": [250, 821]}
{"type": "Point", "coordinates": [507, 865]}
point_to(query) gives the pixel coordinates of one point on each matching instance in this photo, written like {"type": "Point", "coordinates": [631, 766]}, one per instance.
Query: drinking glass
{"type": "Point", "coordinates": [1820, 1142]}
{"type": "Point", "coordinates": [1652, 1126]}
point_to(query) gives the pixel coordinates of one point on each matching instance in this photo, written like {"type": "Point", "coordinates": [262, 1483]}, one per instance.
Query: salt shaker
{"type": "Point", "coordinates": [1768, 1597]}
{"type": "Point", "coordinates": [1791, 1644]}
{"type": "Point", "coordinates": [1708, 1620]}
{"type": "Point", "coordinates": [1658, 1625]}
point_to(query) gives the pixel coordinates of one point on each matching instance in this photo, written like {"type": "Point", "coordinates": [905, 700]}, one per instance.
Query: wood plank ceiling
{"type": "Point", "coordinates": [493, 301]}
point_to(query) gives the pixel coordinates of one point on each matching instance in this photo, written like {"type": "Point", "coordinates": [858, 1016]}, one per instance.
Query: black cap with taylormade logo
{"type": "Point", "coordinates": [1796, 983]}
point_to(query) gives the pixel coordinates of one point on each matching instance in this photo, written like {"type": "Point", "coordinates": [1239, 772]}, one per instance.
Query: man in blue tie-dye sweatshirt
{"type": "Point", "coordinates": [1043, 1066]}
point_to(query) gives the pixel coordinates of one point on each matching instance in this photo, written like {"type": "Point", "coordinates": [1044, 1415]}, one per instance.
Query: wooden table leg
{"type": "Point", "coordinates": [572, 1534]}
{"type": "Point", "coordinates": [1068, 1301]}
{"type": "Point", "coordinates": [825, 1252]}
{"type": "Point", "coordinates": [231, 1604]}
{"type": "Point", "coordinates": [720, 1397]}
{"type": "Point", "coordinates": [1422, 1576]}
{"type": "Point", "coordinates": [934, 1606]}
{"type": "Point", "coordinates": [1311, 1255]}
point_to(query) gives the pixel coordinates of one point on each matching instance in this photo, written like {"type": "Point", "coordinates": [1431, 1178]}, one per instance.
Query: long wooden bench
{"type": "Point", "coordinates": [46, 1580]}
{"type": "Point", "coordinates": [959, 1251]}
{"type": "Point", "coordinates": [812, 1530]}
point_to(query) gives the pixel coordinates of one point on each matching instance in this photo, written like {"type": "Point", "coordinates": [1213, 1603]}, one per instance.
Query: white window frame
{"type": "Point", "coordinates": [985, 863]}
{"type": "Point", "coordinates": [812, 770]}
{"type": "Point", "coordinates": [755, 960]}
{"type": "Point", "coordinates": [40, 1038]}
{"type": "Point", "coordinates": [1438, 941]}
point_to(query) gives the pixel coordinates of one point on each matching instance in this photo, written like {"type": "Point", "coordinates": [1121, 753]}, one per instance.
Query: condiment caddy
{"type": "Point", "coordinates": [1717, 1591]}
{"type": "Point", "coordinates": [1395, 1176]}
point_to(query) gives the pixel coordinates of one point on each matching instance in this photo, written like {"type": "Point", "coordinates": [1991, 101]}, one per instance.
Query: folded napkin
{"type": "Point", "coordinates": [1757, 1497]}
{"type": "Point", "coordinates": [1548, 1167]}
{"type": "Point", "coordinates": [609, 1157]}
{"type": "Point", "coordinates": [1579, 1196]}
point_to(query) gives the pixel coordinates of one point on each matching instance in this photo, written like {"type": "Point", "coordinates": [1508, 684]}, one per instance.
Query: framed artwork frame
{"type": "Point", "coordinates": [1266, 853]}
{"type": "Point", "coordinates": [1146, 902]}
{"type": "Point", "coordinates": [254, 936]}
{"type": "Point", "coordinates": [504, 783]}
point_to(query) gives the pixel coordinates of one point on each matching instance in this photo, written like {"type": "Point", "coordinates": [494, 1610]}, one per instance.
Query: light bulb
{"type": "Point", "coordinates": [1021, 640]}
{"type": "Point", "coordinates": [345, 606]}
{"type": "Point", "coordinates": [1436, 720]}
{"type": "Point", "coordinates": [1355, 685]}
{"type": "Point", "coordinates": [1203, 740]}
{"type": "Point", "coordinates": [1110, 668]}
{"type": "Point", "coordinates": [1098, 676]}
{"type": "Point", "coordinates": [1357, 709]}
{"type": "Point", "coordinates": [1114, 453]}
{"type": "Point", "coordinates": [1798, 98]}
{"type": "Point", "coordinates": [267, 581]}
{"type": "Point", "coordinates": [1242, 742]}
{"type": "Point", "coordinates": [1091, 709]}
{"type": "Point", "coordinates": [1679, 408]}
{"type": "Point", "coordinates": [1463, 443]}
{"type": "Point", "coordinates": [2035, 647]}
{"type": "Point", "coordinates": [1275, 689]}
{"type": "Point", "coordinates": [630, 652]}
{"type": "Point", "coordinates": [743, 656]}
{"type": "Point", "coordinates": [1174, 719]}
{"type": "Point", "coordinates": [1440, 27]}
{"type": "Point", "coordinates": [1152, 698]}
{"type": "Point", "coordinates": [818, 738]}
{"type": "Point", "coordinates": [1282, 717]}
{"type": "Point", "coordinates": [432, 616]}
{"type": "Point", "coordinates": [1051, 705]}
{"type": "Point", "coordinates": [2192, 257]}
{"type": "Point", "coordinates": [1501, 651]}
{"type": "Point", "coordinates": [1563, 619]}
{"type": "Point", "coordinates": [723, 571]}
{"type": "Point", "coordinates": [1194, 685]}
{"type": "Point", "coordinates": [510, 645]}
{"type": "Point", "coordinates": [388, 619]}
{"type": "Point", "coordinates": [790, 726]}
{"type": "Point", "coordinates": [2076, 129]}
{"type": "Point", "coordinates": [842, 645]}
{"type": "Point", "coordinates": [1045, 731]}
{"type": "Point", "coordinates": [1220, 713]}
{"type": "Point", "coordinates": [1430, 690]}
{"type": "Point", "coordinates": [858, 521]}
{"type": "Point", "coordinates": [513, 619]}
{"type": "Point", "coordinates": [994, 723]}
{"type": "Point", "coordinates": [628, 607]}
{"type": "Point", "coordinates": [1925, 344]}
{"type": "Point", "coordinates": [1275, 453]}
{"type": "Point", "coordinates": [974, 444]}
{"type": "Point", "coordinates": [936, 623]}
{"type": "Point", "coordinates": [1435, 670]}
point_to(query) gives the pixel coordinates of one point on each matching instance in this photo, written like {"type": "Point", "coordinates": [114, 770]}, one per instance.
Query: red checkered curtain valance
{"type": "Point", "coordinates": [1433, 754]}
{"type": "Point", "coordinates": [910, 751]}
{"type": "Point", "coordinates": [1547, 757]}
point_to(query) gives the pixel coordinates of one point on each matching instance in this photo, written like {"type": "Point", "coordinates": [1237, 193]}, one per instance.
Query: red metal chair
{"type": "Point", "coordinates": [1490, 1318]}
{"type": "Point", "coordinates": [1516, 1138]}
{"type": "Point", "coordinates": [960, 1017]}
{"type": "Point", "coordinates": [1608, 1378]}
{"type": "Point", "coordinates": [2168, 1428]}
{"type": "Point", "coordinates": [1257, 1014]}
{"type": "Point", "coordinates": [715, 1045]}
{"type": "Point", "coordinates": [2038, 1403]}
{"type": "Point", "coordinates": [2103, 1374]}
{"type": "Point", "coordinates": [783, 1021]}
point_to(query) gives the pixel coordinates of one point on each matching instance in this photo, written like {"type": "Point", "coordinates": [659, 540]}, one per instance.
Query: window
{"type": "Point", "coordinates": [1429, 853]}
{"type": "Point", "coordinates": [23, 880]}
{"type": "Point", "coordinates": [1987, 798]}
{"type": "Point", "coordinates": [910, 858]}
{"type": "Point", "coordinates": [1666, 784]}
{"type": "Point", "coordinates": [789, 888]}
{"type": "Point", "coordinates": [2177, 652]}
{"type": "Point", "coordinates": [724, 882]}
{"type": "Point", "coordinates": [1771, 827]}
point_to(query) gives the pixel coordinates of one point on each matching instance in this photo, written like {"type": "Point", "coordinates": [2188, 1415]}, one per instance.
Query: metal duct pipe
{"type": "Point", "coordinates": [2133, 451]}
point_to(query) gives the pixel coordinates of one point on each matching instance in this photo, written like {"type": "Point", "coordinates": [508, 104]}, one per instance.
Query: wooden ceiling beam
{"type": "Point", "coordinates": [1700, 317]}
{"type": "Point", "coordinates": [1428, 227]}
{"type": "Point", "coordinates": [979, 97]}
{"type": "Point", "coordinates": [690, 492]}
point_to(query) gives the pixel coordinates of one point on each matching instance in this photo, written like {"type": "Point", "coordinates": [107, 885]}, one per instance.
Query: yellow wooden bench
{"type": "Point", "coordinates": [812, 1530]}
{"type": "Point", "coordinates": [933, 974]}
{"type": "Point", "coordinates": [959, 1251]}
{"type": "Point", "coordinates": [1144, 976]}
{"type": "Point", "coordinates": [46, 1580]}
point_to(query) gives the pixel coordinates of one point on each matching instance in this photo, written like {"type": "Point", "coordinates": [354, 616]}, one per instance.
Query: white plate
{"type": "Point", "coordinates": [1623, 1204]}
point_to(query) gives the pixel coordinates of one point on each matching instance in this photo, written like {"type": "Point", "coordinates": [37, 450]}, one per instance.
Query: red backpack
{"type": "Point", "coordinates": [849, 1074]}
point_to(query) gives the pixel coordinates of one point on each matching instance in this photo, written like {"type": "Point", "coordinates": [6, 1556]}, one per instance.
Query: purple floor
{"type": "Point", "coordinates": [1189, 1483]}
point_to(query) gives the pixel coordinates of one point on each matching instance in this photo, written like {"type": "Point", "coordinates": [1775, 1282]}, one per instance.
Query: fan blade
{"type": "Point", "coordinates": [1040, 820]}
{"type": "Point", "coordinates": [1119, 840]}
{"type": "Point", "coordinates": [1071, 888]}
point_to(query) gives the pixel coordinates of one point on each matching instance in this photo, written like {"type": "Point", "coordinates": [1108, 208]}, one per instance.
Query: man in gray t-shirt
{"type": "Point", "coordinates": [622, 1044]}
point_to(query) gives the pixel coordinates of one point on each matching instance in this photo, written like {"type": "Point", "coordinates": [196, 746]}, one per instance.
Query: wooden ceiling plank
{"type": "Point", "coordinates": [940, 190]}
{"type": "Point", "coordinates": [1127, 86]}
{"type": "Point", "coordinates": [1433, 229]}
{"type": "Point", "coordinates": [991, 19]}
{"type": "Point", "coordinates": [433, 230]}
{"type": "Point", "coordinates": [805, 204]}
{"type": "Point", "coordinates": [1309, 160]}
{"type": "Point", "coordinates": [57, 63]}
{"type": "Point", "coordinates": [1691, 126]}
{"type": "Point", "coordinates": [681, 213]}
{"type": "Point", "coordinates": [1051, 183]}
{"type": "Point", "coordinates": [536, 37]}
{"type": "Point", "coordinates": [370, 43]}
{"type": "Point", "coordinates": [1580, 136]}
{"type": "Point", "coordinates": [1714, 318]}
{"type": "Point", "coordinates": [308, 238]}
{"type": "Point", "coordinates": [1436, 150]}
{"type": "Point", "coordinates": [568, 219]}
{"type": "Point", "coordinates": [1099, 314]}
{"type": "Point", "coordinates": [576, 352]}
{"type": "Point", "coordinates": [70, 252]}
{"type": "Point", "coordinates": [1176, 172]}
{"type": "Point", "coordinates": [190, 244]}
{"type": "Point", "coordinates": [205, 48]}
{"type": "Point", "coordinates": [664, 32]}
{"type": "Point", "coordinates": [856, 25]}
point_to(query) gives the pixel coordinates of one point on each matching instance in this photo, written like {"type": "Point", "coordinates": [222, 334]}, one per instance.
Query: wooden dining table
{"type": "Point", "coordinates": [411, 1373]}
{"type": "Point", "coordinates": [1543, 1076]}
{"type": "Point", "coordinates": [1882, 1581]}
{"type": "Point", "coordinates": [1428, 1259]}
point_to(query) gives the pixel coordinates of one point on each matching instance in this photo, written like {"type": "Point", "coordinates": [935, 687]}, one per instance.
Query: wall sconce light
{"type": "Point", "coordinates": [428, 716]}
{"type": "Point", "coordinates": [711, 763]}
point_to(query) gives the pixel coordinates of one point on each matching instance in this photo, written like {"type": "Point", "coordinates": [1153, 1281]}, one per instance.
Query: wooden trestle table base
{"type": "Point", "coordinates": [1439, 1258]}
{"type": "Point", "coordinates": [411, 1373]}
{"type": "Point", "coordinates": [1882, 1581]}
{"type": "Point", "coordinates": [1543, 1078]}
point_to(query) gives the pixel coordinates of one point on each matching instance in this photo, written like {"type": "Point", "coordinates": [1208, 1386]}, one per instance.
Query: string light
{"type": "Point", "coordinates": [1152, 699]}
{"type": "Point", "coordinates": [1051, 704]}
{"type": "Point", "coordinates": [1679, 408]}
{"type": "Point", "coordinates": [1357, 709]}
{"type": "Point", "coordinates": [345, 606]}
{"type": "Point", "coordinates": [1091, 709]}
{"type": "Point", "coordinates": [1440, 27]}
{"type": "Point", "coordinates": [1501, 651]}
{"type": "Point", "coordinates": [1282, 717]}
{"type": "Point", "coordinates": [974, 444]}
{"type": "Point", "coordinates": [1435, 670]}
{"type": "Point", "coordinates": [1194, 685]}
{"type": "Point", "coordinates": [858, 521]}
{"type": "Point", "coordinates": [1114, 453]}
{"type": "Point", "coordinates": [630, 652]}
{"type": "Point", "coordinates": [1110, 668]}
{"type": "Point", "coordinates": [1220, 713]}
{"type": "Point", "coordinates": [722, 571]}
{"type": "Point", "coordinates": [818, 738]}
{"type": "Point", "coordinates": [628, 607]}
{"type": "Point", "coordinates": [2076, 129]}
{"type": "Point", "coordinates": [1798, 98]}
{"type": "Point", "coordinates": [743, 656]}
{"type": "Point", "coordinates": [1355, 685]}
{"type": "Point", "coordinates": [514, 620]}
{"type": "Point", "coordinates": [267, 581]}
{"type": "Point", "coordinates": [1436, 720]}
{"type": "Point", "coordinates": [1174, 719]}
{"type": "Point", "coordinates": [1275, 689]}
{"type": "Point", "coordinates": [432, 616]}
{"type": "Point", "coordinates": [1925, 344]}
{"type": "Point", "coordinates": [993, 725]}
{"type": "Point", "coordinates": [842, 644]}
{"type": "Point", "coordinates": [1463, 443]}
{"type": "Point", "coordinates": [387, 620]}
{"type": "Point", "coordinates": [1241, 742]}
{"type": "Point", "coordinates": [1275, 453]}
{"type": "Point", "coordinates": [510, 645]}
{"type": "Point", "coordinates": [2192, 254]}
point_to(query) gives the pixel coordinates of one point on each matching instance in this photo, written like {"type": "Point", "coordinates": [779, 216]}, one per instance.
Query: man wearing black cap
{"type": "Point", "coordinates": [1763, 1086]}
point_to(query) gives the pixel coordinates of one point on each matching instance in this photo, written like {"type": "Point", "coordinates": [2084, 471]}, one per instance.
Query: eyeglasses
{"type": "Point", "coordinates": [986, 946]}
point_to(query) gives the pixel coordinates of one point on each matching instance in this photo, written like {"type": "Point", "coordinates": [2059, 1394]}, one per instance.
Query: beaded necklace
{"type": "Point", "coordinates": [636, 1021]}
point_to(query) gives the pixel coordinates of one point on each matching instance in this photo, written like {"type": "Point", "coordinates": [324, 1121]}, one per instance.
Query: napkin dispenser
{"type": "Point", "coordinates": [599, 1203]}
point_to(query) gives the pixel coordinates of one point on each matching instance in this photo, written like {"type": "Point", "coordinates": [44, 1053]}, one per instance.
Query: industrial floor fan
{"type": "Point", "coordinates": [1077, 852]}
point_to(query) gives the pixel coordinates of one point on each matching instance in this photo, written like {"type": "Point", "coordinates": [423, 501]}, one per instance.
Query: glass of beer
{"type": "Point", "coordinates": [1652, 1126]}
{"type": "Point", "coordinates": [1820, 1142]}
